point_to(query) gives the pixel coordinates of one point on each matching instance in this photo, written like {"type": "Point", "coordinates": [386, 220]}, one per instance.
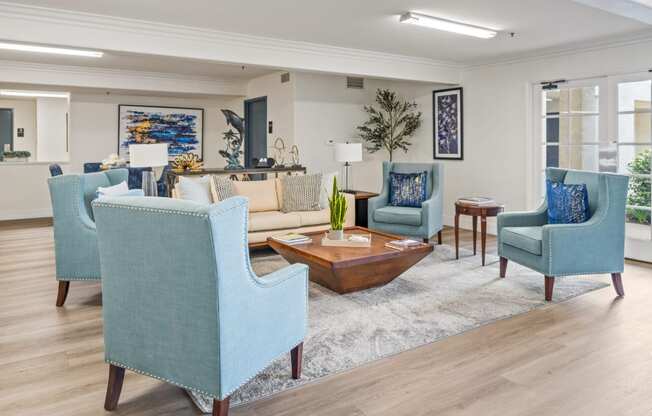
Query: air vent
{"type": "Point", "coordinates": [355, 82]}
{"type": "Point", "coordinates": [285, 77]}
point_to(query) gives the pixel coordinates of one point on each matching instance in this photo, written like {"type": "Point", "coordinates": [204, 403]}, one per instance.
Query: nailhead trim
{"type": "Point", "coordinates": [68, 278]}
{"type": "Point", "coordinates": [155, 210]}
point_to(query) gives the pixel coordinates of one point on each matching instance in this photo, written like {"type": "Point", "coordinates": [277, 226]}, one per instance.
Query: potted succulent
{"type": "Point", "coordinates": [337, 204]}
{"type": "Point", "coordinates": [18, 155]}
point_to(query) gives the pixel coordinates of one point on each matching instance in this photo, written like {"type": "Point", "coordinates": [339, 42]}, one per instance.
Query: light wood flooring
{"type": "Point", "coordinates": [591, 355]}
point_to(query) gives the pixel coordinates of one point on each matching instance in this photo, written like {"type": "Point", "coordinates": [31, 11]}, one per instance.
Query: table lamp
{"type": "Point", "coordinates": [347, 153]}
{"type": "Point", "coordinates": [154, 155]}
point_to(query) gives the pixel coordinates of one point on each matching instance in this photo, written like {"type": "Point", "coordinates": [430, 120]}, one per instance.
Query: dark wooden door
{"type": "Point", "coordinates": [255, 130]}
{"type": "Point", "coordinates": [6, 128]}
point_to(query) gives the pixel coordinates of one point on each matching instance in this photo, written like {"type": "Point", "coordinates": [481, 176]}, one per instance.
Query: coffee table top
{"type": "Point", "coordinates": [330, 256]}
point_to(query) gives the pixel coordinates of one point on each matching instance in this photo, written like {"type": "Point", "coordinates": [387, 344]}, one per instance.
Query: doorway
{"type": "Point", "coordinates": [255, 130]}
{"type": "Point", "coordinates": [6, 129]}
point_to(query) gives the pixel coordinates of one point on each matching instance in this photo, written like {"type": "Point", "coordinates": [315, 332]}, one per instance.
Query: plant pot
{"type": "Point", "coordinates": [336, 234]}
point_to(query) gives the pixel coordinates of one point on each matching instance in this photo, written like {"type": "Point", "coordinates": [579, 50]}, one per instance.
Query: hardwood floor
{"type": "Point", "coordinates": [587, 356]}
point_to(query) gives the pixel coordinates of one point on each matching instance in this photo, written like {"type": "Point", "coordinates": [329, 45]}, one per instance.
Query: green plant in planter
{"type": "Point", "coordinates": [337, 204]}
{"type": "Point", "coordinates": [17, 154]}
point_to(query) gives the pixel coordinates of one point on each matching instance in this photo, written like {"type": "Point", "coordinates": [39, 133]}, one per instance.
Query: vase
{"type": "Point", "coordinates": [336, 234]}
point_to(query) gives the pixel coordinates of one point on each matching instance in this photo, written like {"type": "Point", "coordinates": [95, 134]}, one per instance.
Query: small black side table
{"type": "Point", "coordinates": [361, 204]}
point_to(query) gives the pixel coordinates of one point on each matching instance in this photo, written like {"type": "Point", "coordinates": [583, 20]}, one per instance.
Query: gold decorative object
{"type": "Point", "coordinates": [187, 161]}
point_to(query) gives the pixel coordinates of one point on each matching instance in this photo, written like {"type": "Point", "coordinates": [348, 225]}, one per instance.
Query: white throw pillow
{"type": "Point", "coordinates": [115, 190]}
{"type": "Point", "coordinates": [326, 188]}
{"type": "Point", "coordinates": [197, 190]}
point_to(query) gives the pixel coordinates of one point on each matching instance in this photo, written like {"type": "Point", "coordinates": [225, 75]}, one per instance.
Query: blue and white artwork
{"type": "Point", "coordinates": [448, 124]}
{"type": "Point", "coordinates": [180, 128]}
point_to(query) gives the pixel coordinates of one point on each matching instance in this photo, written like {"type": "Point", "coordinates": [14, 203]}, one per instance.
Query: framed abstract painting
{"type": "Point", "coordinates": [181, 128]}
{"type": "Point", "coordinates": [448, 133]}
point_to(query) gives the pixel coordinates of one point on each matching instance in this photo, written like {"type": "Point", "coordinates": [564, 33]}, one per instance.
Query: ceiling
{"type": "Point", "coordinates": [146, 63]}
{"type": "Point", "coordinates": [370, 25]}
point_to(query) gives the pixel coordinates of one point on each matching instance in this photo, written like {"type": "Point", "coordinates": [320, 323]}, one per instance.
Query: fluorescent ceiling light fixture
{"type": "Point", "coordinates": [447, 25]}
{"type": "Point", "coordinates": [42, 94]}
{"type": "Point", "coordinates": [48, 49]}
{"type": "Point", "coordinates": [647, 3]}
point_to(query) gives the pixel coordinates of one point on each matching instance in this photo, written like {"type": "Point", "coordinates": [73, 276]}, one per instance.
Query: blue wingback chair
{"type": "Point", "coordinates": [593, 247]}
{"type": "Point", "coordinates": [181, 302]}
{"type": "Point", "coordinates": [422, 222]}
{"type": "Point", "coordinates": [75, 238]}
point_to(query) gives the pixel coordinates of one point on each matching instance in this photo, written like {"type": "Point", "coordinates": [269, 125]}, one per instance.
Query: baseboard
{"type": "Point", "coordinates": [25, 214]}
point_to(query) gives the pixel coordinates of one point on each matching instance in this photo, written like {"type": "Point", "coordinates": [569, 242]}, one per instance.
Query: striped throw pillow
{"type": "Point", "coordinates": [221, 188]}
{"type": "Point", "coordinates": [301, 192]}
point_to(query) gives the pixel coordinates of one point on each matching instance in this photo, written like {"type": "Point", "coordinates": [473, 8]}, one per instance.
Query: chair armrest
{"type": "Point", "coordinates": [432, 212]}
{"type": "Point", "coordinates": [523, 218]}
{"type": "Point", "coordinates": [377, 202]}
{"type": "Point", "coordinates": [293, 271]}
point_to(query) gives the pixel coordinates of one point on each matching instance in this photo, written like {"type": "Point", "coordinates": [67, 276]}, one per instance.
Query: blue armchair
{"type": "Point", "coordinates": [422, 222]}
{"type": "Point", "coordinates": [555, 250]}
{"type": "Point", "coordinates": [181, 302]}
{"type": "Point", "coordinates": [75, 238]}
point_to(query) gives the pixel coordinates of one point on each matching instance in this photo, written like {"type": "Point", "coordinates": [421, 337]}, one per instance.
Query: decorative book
{"type": "Point", "coordinates": [403, 244]}
{"type": "Point", "coordinates": [476, 200]}
{"type": "Point", "coordinates": [292, 238]}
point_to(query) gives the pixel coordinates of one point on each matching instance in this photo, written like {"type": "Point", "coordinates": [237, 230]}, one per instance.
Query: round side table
{"type": "Point", "coordinates": [482, 211]}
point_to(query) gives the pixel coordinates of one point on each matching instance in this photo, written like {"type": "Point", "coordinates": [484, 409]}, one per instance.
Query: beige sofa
{"type": "Point", "coordinates": [266, 218]}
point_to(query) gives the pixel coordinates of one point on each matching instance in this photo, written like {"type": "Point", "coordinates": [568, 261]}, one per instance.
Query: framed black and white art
{"type": "Point", "coordinates": [448, 134]}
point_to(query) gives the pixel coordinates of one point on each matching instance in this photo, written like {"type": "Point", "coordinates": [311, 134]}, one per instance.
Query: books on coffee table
{"type": "Point", "coordinates": [476, 201]}
{"type": "Point", "coordinates": [403, 244]}
{"type": "Point", "coordinates": [292, 238]}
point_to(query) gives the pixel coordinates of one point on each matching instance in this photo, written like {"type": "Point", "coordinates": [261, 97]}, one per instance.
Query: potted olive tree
{"type": "Point", "coordinates": [337, 204]}
{"type": "Point", "coordinates": [391, 125]}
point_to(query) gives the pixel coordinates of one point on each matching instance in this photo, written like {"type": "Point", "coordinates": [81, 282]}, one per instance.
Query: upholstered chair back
{"type": "Point", "coordinates": [434, 172]}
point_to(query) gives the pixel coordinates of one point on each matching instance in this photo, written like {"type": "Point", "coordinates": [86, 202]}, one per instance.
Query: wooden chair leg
{"type": "Point", "coordinates": [426, 240]}
{"type": "Point", "coordinates": [439, 237]}
{"type": "Point", "coordinates": [617, 280]}
{"type": "Point", "coordinates": [296, 356]}
{"type": "Point", "coordinates": [63, 292]}
{"type": "Point", "coordinates": [114, 387]}
{"type": "Point", "coordinates": [221, 407]}
{"type": "Point", "coordinates": [550, 284]}
{"type": "Point", "coordinates": [503, 266]}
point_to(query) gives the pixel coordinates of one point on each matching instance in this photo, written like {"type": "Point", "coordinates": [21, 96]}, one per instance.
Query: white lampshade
{"type": "Point", "coordinates": [348, 152]}
{"type": "Point", "coordinates": [148, 155]}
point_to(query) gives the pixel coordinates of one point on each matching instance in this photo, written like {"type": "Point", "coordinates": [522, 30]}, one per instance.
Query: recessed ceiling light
{"type": "Point", "coordinates": [42, 94]}
{"type": "Point", "coordinates": [447, 25]}
{"type": "Point", "coordinates": [48, 49]}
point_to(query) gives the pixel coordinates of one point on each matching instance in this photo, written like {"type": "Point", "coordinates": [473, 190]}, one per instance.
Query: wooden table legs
{"type": "Point", "coordinates": [457, 236]}
{"type": "Point", "coordinates": [475, 233]}
{"type": "Point", "coordinates": [483, 235]}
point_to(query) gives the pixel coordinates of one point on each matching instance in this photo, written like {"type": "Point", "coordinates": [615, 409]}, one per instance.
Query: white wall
{"type": "Point", "coordinates": [52, 129]}
{"type": "Point", "coordinates": [498, 113]}
{"type": "Point", "coordinates": [25, 118]}
{"type": "Point", "coordinates": [93, 136]}
{"type": "Point", "coordinates": [280, 106]}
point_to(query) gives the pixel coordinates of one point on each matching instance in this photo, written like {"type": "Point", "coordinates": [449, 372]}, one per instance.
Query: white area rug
{"type": "Point", "coordinates": [437, 298]}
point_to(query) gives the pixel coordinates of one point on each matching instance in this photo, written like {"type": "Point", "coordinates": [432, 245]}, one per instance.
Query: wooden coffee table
{"type": "Point", "coordinates": [348, 269]}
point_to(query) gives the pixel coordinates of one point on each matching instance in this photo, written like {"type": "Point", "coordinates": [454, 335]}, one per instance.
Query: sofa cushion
{"type": "Point", "coordinates": [221, 188]}
{"type": "Point", "coordinates": [407, 189]}
{"type": "Point", "coordinates": [398, 215]}
{"type": "Point", "coordinates": [273, 220]}
{"type": "Point", "coordinates": [301, 192]}
{"type": "Point", "coordinates": [314, 217]}
{"type": "Point", "coordinates": [524, 238]}
{"type": "Point", "coordinates": [261, 194]}
{"type": "Point", "coordinates": [196, 190]}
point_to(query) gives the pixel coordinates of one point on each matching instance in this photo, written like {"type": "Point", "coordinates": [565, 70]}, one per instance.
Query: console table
{"type": "Point", "coordinates": [172, 176]}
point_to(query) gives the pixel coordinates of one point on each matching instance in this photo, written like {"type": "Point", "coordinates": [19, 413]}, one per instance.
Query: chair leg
{"type": "Point", "coordinates": [503, 266]}
{"type": "Point", "coordinates": [221, 407]}
{"type": "Point", "coordinates": [439, 237]}
{"type": "Point", "coordinates": [114, 387]}
{"type": "Point", "coordinates": [426, 240]}
{"type": "Point", "coordinates": [617, 280]}
{"type": "Point", "coordinates": [296, 356]}
{"type": "Point", "coordinates": [63, 292]}
{"type": "Point", "coordinates": [550, 284]}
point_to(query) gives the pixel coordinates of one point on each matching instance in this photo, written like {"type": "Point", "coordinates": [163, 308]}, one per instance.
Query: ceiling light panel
{"type": "Point", "coordinates": [447, 25]}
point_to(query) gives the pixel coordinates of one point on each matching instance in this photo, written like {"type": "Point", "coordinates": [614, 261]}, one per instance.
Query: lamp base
{"type": "Point", "coordinates": [149, 185]}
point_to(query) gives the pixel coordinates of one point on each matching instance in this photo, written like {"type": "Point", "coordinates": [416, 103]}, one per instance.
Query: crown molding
{"type": "Point", "coordinates": [116, 79]}
{"type": "Point", "coordinates": [631, 39]}
{"type": "Point", "coordinates": [60, 27]}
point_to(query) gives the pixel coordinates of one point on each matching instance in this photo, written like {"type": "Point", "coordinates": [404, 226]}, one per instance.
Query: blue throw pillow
{"type": "Point", "coordinates": [407, 189]}
{"type": "Point", "coordinates": [567, 203]}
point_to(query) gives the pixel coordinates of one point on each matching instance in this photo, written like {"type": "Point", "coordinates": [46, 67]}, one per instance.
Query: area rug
{"type": "Point", "coordinates": [437, 298]}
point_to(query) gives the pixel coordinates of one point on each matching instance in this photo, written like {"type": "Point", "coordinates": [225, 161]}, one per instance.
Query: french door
{"type": "Point", "coordinates": [604, 125]}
